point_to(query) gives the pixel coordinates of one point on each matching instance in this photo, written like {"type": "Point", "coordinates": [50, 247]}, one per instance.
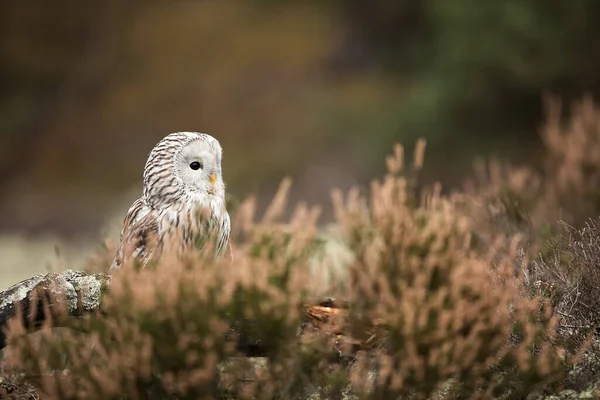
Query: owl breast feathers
{"type": "Point", "coordinates": [183, 202]}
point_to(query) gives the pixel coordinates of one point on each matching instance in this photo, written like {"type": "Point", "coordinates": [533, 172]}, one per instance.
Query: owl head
{"type": "Point", "coordinates": [184, 165]}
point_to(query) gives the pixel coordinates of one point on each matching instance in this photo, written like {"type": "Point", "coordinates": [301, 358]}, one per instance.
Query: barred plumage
{"type": "Point", "coordinates": [183, 201]}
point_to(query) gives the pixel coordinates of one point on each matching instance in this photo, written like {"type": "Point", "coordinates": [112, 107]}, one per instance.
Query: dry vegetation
{"type": "Point", "coordinates": [479, 294]}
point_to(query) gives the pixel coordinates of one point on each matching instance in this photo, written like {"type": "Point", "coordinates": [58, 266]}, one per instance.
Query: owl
{"type": "Point", "coordinates": [182, 204]}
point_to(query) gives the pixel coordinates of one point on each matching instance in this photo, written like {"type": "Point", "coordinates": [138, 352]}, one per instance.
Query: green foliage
{"type": "Point", "coordinates": [301, 78]}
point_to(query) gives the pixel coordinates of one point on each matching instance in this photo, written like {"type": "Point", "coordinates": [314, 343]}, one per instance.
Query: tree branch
{"type": "Point", "coordinates": [46, 297]}
{"type": "Point", "coordinates": [55, 297]}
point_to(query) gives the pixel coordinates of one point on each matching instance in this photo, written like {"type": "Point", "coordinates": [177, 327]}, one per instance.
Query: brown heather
{"type": "Point", "coordinates": [447, 295]}
{"type": "Point", "coordinates": [565, 188]}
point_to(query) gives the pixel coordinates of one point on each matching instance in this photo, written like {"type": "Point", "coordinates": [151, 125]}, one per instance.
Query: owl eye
{"type": "Point", "coordinates": [196, 165]}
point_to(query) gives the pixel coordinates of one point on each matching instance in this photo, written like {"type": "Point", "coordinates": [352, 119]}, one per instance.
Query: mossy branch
{"type": "Point", "coordinates": [46, 298]}
{"type": "Point", "coordinates": [53, 298]}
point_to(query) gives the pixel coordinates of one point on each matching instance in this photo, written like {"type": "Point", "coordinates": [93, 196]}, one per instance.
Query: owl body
{"type": "Point", "coordinates": [183, 201]}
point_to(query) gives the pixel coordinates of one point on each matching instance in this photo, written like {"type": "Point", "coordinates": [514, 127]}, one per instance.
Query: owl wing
{"type": "Point", "coordinates": [224, 235]}
{"type": "Point", "coordinates": [138, 236]}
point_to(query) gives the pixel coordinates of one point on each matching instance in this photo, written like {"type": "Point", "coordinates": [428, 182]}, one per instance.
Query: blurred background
{"type": "Point", "coordinates": [315, 90]}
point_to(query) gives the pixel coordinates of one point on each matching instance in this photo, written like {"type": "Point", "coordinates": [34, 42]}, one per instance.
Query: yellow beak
{"type": "Point", "coordinates": [213, 178]}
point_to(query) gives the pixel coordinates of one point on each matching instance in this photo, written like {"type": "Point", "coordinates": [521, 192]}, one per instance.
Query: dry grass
{"type": "Point", "coordinates": [447, 296]}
